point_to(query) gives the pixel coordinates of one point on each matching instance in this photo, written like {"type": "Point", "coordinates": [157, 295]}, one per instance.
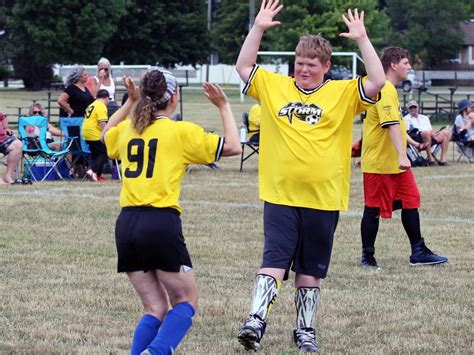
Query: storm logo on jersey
{"type": "Point", "coordinates": [311, 114]}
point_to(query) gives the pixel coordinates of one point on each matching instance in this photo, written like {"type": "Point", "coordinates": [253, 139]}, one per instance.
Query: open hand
{"type": "Point", "coordinates": [355, 24]}
{"type": "Point", "coordinates": [132, 89]}
{"type": "Point", "coordinates": [268, 10]}
{"type": "Point", "coordinates": [215, 94]}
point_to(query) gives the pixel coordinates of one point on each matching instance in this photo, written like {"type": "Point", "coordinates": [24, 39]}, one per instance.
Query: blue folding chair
{"type": "Point", "coordinates": [36, 152]}
{"type": "Point", "coordinates": [72, 129]}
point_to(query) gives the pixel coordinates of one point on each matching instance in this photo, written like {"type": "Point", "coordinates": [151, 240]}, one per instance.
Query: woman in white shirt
{"type": "Point", "coordinates": [104, 80]}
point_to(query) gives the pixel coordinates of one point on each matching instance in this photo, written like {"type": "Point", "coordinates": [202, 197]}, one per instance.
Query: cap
{"type": "Point", "coordinates": [464, 104]}
{"type": "Point", "coordinates": [412, 103]}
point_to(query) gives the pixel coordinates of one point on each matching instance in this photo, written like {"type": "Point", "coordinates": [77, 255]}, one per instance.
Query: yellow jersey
{"type": "Point", "coordinates": [306, 139]}
{"type": "Point", "coordinates": [379, 155]}
{"type": "Point", "coordinates": [154, 162]}
{"type": "Point", "coordinates": [96, 112]}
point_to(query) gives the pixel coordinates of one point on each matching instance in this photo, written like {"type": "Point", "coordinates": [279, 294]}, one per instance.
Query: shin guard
{"type": "Point", "coordinates": [306, 302]}
{"type": "Point", "coordinates": [265, 292]}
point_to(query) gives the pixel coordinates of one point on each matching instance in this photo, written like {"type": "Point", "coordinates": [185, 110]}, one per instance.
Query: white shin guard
{"type": "Point", "coordinates": [306, 302]}
{"type": "Point", "coordinates": [265, 292]}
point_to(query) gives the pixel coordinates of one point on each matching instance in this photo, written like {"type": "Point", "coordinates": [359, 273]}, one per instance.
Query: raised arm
{"type": "Point", "coordinates": [122, 113]}
{"type": "Point", "coordinates": [231, 136]}
{"type": "Point", "coordinates": [375, 73]}
{"type": "Point", "coordinates": [248, 53]}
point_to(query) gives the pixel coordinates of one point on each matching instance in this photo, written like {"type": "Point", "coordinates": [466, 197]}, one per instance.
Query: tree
{"type": "Point", "coordinates": [44, 32]}
{"type": "Point", "coordinates": [168, 32]}
{"type": "Point", "coordinates": [429, 29]}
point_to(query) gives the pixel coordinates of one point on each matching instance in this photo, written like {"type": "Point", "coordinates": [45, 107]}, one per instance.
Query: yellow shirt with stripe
{"type": "Point", "coordinates": [306, 139]}
{"type": "Point", "coordinates": [379, 155]}
{"type": "Point", "coordinates": [154, 162]}
{"type": "Point", "coordinates": [96, 112]}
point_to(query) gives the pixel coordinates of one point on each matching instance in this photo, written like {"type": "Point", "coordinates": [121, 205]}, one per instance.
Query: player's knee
{"type": "Point", "coordinates": [371, 212]}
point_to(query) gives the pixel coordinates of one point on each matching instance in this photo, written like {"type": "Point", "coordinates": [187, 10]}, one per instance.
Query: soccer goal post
{"type": "Point", "coordinates": [355, 57]}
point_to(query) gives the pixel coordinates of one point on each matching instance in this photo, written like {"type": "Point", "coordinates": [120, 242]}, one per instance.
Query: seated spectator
{"type": "Point", "coordinates": [33, 131]}
{"type": "Point", "coordinates": [94, 122]}
{"type": "Point", "coordinates": [11, 147]}
{"type": "Point", "coordinates": [254, 122]}
{"type": "Point", "coordinates": [420, 130]}
{"type": "Point", "coordinates": [464, 121]}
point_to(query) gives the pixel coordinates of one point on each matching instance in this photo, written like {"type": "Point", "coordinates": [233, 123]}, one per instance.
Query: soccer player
{"type": "Point", "coordinates": [389, 183]}
{"type": "Point", "coordinates": [94, 122]}
{"type": "Point", "coordinates": [155, 151]}
{"type": "Point", "coordinates": [304, 165]}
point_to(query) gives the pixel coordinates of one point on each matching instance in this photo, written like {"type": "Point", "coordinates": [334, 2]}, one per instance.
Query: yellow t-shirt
{"type": "Point", "coordinates": [379, 155]}
{"type": "Point", "coordinates": [254, 119]}
{"type": "Point", "coordinates": [96, 112]}
{"type": "Point", "coordinates": [306, 139]}
{"type": "Point", "coordinates": [154, 162]}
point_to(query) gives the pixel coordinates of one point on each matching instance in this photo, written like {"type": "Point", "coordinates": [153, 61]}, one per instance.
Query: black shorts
{"type": "Point", "coordinates": [298, 237]}
{"type": "Point", "coordinates": [149, 238]}
{"type": "Point", "coordinates": [6, 143]}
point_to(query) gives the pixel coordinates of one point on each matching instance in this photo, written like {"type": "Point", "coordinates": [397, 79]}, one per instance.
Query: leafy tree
{"type": "Point", "coordinates": [52, 31]}
{"type": "Point", "coordinates": [230, 28]}
{"type": "Point", "coordinates": [168, 32]}
{"type": "Point", "coordinates": [429, 29]}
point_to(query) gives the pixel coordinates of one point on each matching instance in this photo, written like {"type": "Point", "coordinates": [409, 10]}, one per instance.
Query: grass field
{"type": "Point", "coordinates": [60, 293]}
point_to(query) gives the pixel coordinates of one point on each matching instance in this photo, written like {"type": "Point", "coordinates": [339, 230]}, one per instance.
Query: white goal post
{"type": "Point", "coordinates": [354, 56]}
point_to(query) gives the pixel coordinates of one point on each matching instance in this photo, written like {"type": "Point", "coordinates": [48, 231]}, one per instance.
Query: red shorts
{"type": "Point", "coordinates": [387, 191]}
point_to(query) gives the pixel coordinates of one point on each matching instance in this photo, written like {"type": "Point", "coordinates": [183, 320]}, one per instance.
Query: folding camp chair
{"type": "Point", "coordinates": [40, 162]}
{"type": "Point", "coordinates": [253, 145]}
{"type": "Point", "coordinates": [465, 148]}
{"type": "Point", "coordinates": [72, 128]}
{"type": "Point", "coordinates": [79, 149]}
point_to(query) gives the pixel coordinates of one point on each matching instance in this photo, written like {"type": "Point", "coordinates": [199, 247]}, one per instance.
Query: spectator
{"type": "Point", "coordinates": [76, 97]}
{"type": "Point", "coordinates": [464, 121]}
{"type": "Point", "coordinates": [11, 147]}
{"type": "Point", "coordinates": [155, 152]}
{"type": "Point", "coordinates": [104, 81]}
{"type": "Point", "coordinates": [419, 128]}
{"type": "Point", "coordinates": [254, 122]}
{"type": "Point", "coordinates": [389, 183]}
{"type": "Point", "coordinates": [304, 166]}
{"type": "Point", "coordinates": [37, 109]}
{"type": "Point", "coordinates": [94, 122]}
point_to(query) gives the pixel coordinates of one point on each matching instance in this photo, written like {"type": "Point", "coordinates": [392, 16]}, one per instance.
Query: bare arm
{"type": "Point", "coordinates": [395, 133]}
{"type": "Point", "coordinates": [375, 73]}
{"type": "Point", "coordinates": [248, 53]}
{"type": "Point", "coordinates": [63, 102]}
{"type": "Point", "coordinates": [54, 131]}
{"type": "Point", "coordinates": [231, 135]}
{"type": "Point", "coordinates": [122, 113]}
{"type": "Point", "coordinates": [414, 143]}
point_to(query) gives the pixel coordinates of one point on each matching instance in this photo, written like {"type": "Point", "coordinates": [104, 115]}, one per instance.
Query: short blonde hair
{"type": "Point", "coordinates": [314, 46]}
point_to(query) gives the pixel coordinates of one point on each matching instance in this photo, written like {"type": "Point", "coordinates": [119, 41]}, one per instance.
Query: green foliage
{"type": "Point", "coordinates": [168, 32]}
{"type": "Point", "coordinates": [229, 29]}
{"type": "Point", "coordinates": [4, 72]}
{"type": "Point", "coordinates": [301, 17]}
{"type": "Point", "coordinates": [51, 31]}
{"type": "Point", "coordinates": [429, 29]}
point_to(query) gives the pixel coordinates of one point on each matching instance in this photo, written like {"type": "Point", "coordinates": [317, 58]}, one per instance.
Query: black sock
{"type": "Point", "coordinates": [411, 223]}
{"type": "Point", "coordinates": [369, 228]}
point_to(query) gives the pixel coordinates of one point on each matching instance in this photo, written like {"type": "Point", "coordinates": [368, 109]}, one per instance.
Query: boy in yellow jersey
{"type": "Point", "coordinates": [304, 165]}
{"type": "Point", "coordinates": [94, 122]}
{"type": "Point", "coordinates": [389, 183]}
{"type": "Point", "coordinates": [155, 151]}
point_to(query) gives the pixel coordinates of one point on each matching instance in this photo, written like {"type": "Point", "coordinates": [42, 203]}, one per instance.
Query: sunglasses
{"type": "Point", "coordinates": [106, 69]}
{"type": "Point", "coordinates": [37, 112]}
{"type": "Point", "coordinates": [412, 107]}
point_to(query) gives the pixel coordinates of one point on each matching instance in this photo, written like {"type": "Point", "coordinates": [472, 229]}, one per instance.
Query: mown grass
{"type": "Point", "coordinates": [60, 292]}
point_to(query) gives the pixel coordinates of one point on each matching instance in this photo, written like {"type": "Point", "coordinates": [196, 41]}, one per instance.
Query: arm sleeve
{"type": "Point", "coordinates": [200, 147]}
{"type": "Point", "coordinates": [111, 142]}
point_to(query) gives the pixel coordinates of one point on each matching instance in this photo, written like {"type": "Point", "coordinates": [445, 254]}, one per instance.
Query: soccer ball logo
{"type": "Point", "coordinates": [312, 119]}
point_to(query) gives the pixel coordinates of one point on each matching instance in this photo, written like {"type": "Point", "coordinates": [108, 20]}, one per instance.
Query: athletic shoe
{"type": "Point", "coordinates": [305, 340]}
{"type": "Point", "coordinates": [101, 178]}
{"type": "Point", "coordinates": [421, 255]}
{"type": "Point", "coordinates": [251, 332]}
{"type": "Point", "coordinates": [368, 261]}
{"type": "Point", "coordinates": [91, 175]}
{"type": "Point", "coordinates": [442, 163]}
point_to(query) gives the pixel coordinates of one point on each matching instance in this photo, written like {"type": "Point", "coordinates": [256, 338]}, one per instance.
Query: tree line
{"type": "Point", "coordinates": [35, 34]}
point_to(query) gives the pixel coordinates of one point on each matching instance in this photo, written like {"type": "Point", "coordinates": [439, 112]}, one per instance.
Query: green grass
{"type": "Point", "coordinates": [61, 294]}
